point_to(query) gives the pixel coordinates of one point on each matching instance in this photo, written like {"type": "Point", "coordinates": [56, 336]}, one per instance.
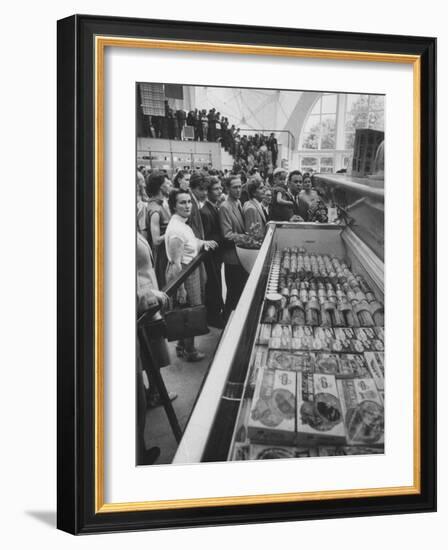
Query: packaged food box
{"type": "Point", "coordinates": [264, 333]}
{"type": "Point", "coordinates": [379, 331]}
{"type": "Point", "coordinates": [269, 452]}
{"type": "Point", "coordinates": [240, 434]}
{"type": "Point", "coordinates": [352, 365]}
{"type": "Point", "coordinates": [343, 340]}
{"type": "Point", "coordinates": [323, 339]}
{"type": "Point", "coordinates": [348, 450]}
{"type": "Point", "coordinates": [326, 363]}
{"type": "Point", "coordinates": [259, 361]}
{"type": "Point", "coordinates": [302, 338]}
{"type": "Point", "coordinates": [280, 337]}
{"type": "Point", "coordinates": [363, 411]}
{"type": "Point", "coordinates": [375, 364]}
{"type": "Point", "coordinates": [240, 451]}
{"type": "Point", "coordinates": [369, 338]}
{"type": "Point", "coordinates": [291, 361]}
{"type": "Point", "coordinates": [273, 411]}
{"type": "Point", "coordinates": [319, 412]}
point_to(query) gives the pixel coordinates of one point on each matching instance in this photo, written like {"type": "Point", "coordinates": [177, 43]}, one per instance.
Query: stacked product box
{"type": "Point", "coordinates": [319, 413]}
{"type": "Point", "coordinates": [269, 452]}
{"type": "Point", "coordinates": [363, 412]}
{"type": "Point", "coordinates": [272, 416]}
{"type": "Point", "coordinates": [375, 364]}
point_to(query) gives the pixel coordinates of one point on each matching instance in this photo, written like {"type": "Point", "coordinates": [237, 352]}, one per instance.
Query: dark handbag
{"type": "Point", "coordinates": [186, 323]}
{"type": "Point", "coordinates": [153, 328]}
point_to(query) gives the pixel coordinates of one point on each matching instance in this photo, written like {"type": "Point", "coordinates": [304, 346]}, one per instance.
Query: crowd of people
{"type": "Point", "coordinates": [205, 210]}
{"type": "Point", "coordinates": [207, 125]}
{"type": "Point", "coordinates": [252, 151]}
{"type": "Point", "coordinates": [219, 211]}
{"type": "Point", "coordinates": [256, 152]}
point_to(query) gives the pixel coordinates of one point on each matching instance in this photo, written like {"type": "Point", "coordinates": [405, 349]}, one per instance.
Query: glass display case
{"type": "Point", "coordinates": [314, 267]}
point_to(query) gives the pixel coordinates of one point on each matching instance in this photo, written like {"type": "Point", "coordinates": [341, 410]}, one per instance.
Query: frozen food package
{"type": "Point", "coordinates": [273, 411]}
{"type": "Point", "coordinates": [319, 413]}
{"type": "Point", "coordinates": [292, 361]}
{"type": "Point", "coordinates": [345, 450]}
{"type": "Point", "coordinates": [363, 411]}
{"type": "Point", "coordinates": [240, 451]}
{"type": "Point", "coordinates": [326, 363]}
{"type": "Point", "coordinates": [264, 333]}
{"type": "Point", "coordinates": [323, 338]}
{"type": "Point", "coordinates": [352, 365]}
{"type": "Point", "coordinates": [375, 364]}
{"type": "Point", "coordinates": [268, 452]}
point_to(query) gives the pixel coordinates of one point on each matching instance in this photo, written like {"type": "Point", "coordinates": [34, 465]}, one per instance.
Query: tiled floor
{"type": "Point", "coordinates": [185, 379]}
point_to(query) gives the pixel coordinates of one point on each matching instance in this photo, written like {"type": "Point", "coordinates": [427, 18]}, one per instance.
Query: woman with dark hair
{"type": "Point", "coordinates": [181, 248]}
{"type": "Point", "coordinates": [308, 194]}
{"type": "Point", "coordinates": [182, 180]}
{"type": "Point", "coordinates": [158, 216]}
{"type": "Point", "coordinates": [253, 212]}
{"type": "Point", "coordinates": [142, 201]}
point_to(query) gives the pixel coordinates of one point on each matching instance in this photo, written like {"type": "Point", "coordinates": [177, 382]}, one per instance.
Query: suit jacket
{"type": "Point", "coordinates": [253, 213]}
{"type": "Point", "coordinates": [195, 221]}
{"type": "Point", "coordinates": [211, 223]}
{"type": "Point", "coordinates": [232, 224]}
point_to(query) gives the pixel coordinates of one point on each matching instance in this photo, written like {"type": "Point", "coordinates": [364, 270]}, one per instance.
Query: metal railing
{"type": "Point", "coordinates": [291, 143]}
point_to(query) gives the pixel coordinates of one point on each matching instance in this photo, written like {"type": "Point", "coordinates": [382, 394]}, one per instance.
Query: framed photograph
{"type": "Point", "coordinates": [246, 273]}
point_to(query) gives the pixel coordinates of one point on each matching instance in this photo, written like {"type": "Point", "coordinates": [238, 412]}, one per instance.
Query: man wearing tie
{"type": "Point", "coordinates": [232, 226]}
{"type": "Point", "coordinates": [266, 201]}
{"type": "Point", "coordinates": [198, 191]}
{"type": "Point", "coordinates": [213, 263]}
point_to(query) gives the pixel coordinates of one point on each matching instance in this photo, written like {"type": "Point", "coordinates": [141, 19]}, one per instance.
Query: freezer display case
{"type": "Point", "coordinates": [299, 370]}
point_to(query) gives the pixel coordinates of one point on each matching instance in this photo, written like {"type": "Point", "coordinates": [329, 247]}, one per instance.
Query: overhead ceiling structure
{"type": "Point", "coordinates": [256, 109]}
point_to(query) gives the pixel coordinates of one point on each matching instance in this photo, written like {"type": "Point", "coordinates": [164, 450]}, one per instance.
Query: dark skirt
{"type": "Point", "coordinates": [160, 263]}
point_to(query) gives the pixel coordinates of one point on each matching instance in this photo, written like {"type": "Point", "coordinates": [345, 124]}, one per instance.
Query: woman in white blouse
{"type": "Point", "coordinates": [181, 248]}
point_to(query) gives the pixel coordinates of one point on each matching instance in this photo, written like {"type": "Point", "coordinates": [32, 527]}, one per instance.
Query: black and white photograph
{"type": "Point", "coordinates": [259, 274]}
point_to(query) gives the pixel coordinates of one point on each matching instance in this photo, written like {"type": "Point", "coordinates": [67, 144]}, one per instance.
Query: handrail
{"type": "Point", "coordinates": [173, 285]}
{"type": "Point", "coordinates": [290, 135]}
{"type": "Point", "coordinates": [358, 185]}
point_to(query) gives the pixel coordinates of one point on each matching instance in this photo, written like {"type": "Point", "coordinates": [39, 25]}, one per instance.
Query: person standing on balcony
{"type": "Point", "coordinates": [273, 147]}
{"type": "Point", "coordinates": [181, 119]}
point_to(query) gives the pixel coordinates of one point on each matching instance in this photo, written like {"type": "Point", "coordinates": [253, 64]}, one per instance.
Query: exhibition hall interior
{"type": "Point", "coordinates": [260, 274]}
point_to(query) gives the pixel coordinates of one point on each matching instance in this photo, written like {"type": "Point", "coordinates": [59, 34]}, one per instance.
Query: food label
{"type": "Point", "coordinates": [272, 416]}
{"type": "Point", "coordinates": [363, 411]}
{"type": "Point", "coordinates": [319, 413]}
{"type": "Point", "coordinates": [375, 364]}
{"type": "Point", "coordinates": [291, 361]}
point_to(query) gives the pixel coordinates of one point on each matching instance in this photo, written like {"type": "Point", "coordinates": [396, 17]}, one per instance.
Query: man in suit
{"type": "Point", "coordinates": [198, 191]}
{"type": "Point", "coordinates": [232, 227]}
{"type": "Point", "coordinates": [212, 231]}
{"type": "Point", "coordinates": [253, 212]}
{"type": "Point", "coordinates": [300, 210]}
{"type": "Point", "coordinates": [266, 201]}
